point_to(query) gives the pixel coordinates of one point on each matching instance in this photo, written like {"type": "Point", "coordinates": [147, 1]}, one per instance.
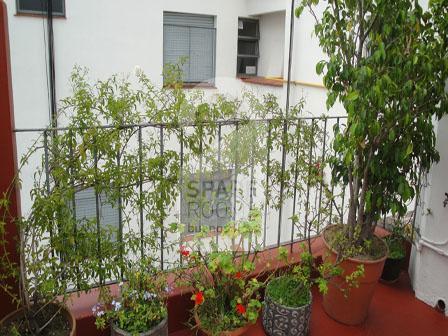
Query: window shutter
{"type": "Point", "coordinates": [190, 20]}
{"type": "Point", "coordinates": [85, 202]}
{"type": "Point", "coordinates": [202, 60]}
{"type": "Point", "coordinates": [176, 47]}
{"type": "Point", "coordinates": [192, 37]}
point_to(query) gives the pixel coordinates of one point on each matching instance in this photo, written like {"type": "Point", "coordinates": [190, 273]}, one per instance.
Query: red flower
{"type": "Point", "coordinates": [198, 298]}
{"type": "Point", "coordinates": [317, 169]}
{"type": "Point", "coordinates": [183, 250]}
{"type": "Point", "coordinates": [238, 275]}
{"type": "Point", "coordinates": [240, 309]}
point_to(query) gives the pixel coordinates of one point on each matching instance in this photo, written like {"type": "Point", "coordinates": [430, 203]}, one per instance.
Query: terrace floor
{"type": "Point", "coordinates": [394, 312]}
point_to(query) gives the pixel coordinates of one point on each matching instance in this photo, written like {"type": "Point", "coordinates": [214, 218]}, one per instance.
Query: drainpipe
{"type": "Point", "coordinates": [429, 244]}
{"type": "Point", "coordinates": [291, 43]}
{"type": "Point", "coordinates": [285, 123]}
{"type": "Point", "coordinates": [51, 68]}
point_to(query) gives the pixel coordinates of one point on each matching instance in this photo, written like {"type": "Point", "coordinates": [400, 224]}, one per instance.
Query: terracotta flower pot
{"type": "Point", "coordinates": [159, 330]}
{"type": "Point", "coordinates": [234, 332]}
{"type": "Point", "coordinates": [353, 309]}
{"type": "Point", "coordinates": [17, 314]}
{"type": "Point", "coordinates": [280, 320]}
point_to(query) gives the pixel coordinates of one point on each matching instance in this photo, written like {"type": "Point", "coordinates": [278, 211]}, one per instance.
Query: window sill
{"type": "Point", "coordinates": [198, 85]}
{"type": "Point", "coordinates": [193, 86]}
{"type": "Point", "coordinates": [39, 16]}
{"type": "Point", "coordinates": [190, 235]}
{"type": "Point", "coordinates": [263, 81]}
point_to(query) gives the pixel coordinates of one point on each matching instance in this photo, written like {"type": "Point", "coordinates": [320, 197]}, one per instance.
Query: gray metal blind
{"type": "Point", "coordinates": [191, 38]}
{"type": "Point", "coordinates": [85, 208]}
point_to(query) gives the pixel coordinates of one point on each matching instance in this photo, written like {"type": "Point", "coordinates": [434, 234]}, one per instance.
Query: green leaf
{"type": "Point", "coordinates": [320, 67]}
{"type": "Point", "coordinates": [409, 149]}
{"type": "Point", "coordinates": [331, 99]}
{"type": "Point", "coordinates": [348, 158]}
{"type": "Point", "coordinates": [391, 135]}
{"type": "Point", "coordinates": [352, 96]}
{"type": "Point", "coordinates": [298, 11]}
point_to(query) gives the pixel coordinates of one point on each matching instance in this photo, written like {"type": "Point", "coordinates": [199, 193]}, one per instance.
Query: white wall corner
{"type": "Point", "coordinates": [429, 259]}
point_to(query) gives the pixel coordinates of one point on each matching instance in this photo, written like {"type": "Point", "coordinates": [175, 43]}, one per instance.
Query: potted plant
{"type": "Point", "coordinates": [140, 308]}
{"type": "Point", "coordinates": [42, 280]}
{"type": "Point", "coordinates": [288, 298]}
{"type": "Point", "coordinates": [226, 299]}
{"type": "Point", "coordinates": [397, 254]}
{"type": "Point", "coordinates": [386, 64]}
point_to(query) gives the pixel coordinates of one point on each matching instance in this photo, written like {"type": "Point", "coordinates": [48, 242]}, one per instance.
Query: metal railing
{"type": "Point", "coordinates": [285, 220]}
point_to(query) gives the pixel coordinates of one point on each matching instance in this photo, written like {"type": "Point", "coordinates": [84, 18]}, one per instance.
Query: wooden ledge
{"type": "Point", "coordinates": [279, 82]}
{"type": "Point", "coordinates": [199, 86]}
{"type": "Point", "coordinates": [263, 81]}
{"type": "Point", "coordinates": [192, 86]}
{"type": "Point", "coordinates": [40, 16]}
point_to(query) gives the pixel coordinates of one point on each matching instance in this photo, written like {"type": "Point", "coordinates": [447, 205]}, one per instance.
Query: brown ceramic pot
{"type": "Point", "coordinates": [16, 315]}
{"type": "Point", "coordinates": [235, 332]}
{"type": "Point", "coordinates": [353, 309]}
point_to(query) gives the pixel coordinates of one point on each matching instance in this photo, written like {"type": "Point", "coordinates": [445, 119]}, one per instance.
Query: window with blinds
{"type": "Point", "coordinates": [85, 209]}
{"type": "Point", "coordinates": [40, 7]}
{"type": "Point", "coordinates": [190, 38]}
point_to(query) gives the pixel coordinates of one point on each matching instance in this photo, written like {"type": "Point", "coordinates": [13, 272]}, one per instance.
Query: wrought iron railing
{"type": "Point", "coordinates": [289, 202]}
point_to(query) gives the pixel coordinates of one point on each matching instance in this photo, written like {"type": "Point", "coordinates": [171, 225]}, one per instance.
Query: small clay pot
{"type": "Point", "coordinates": [234, 332]}
{"type": "Point", "coordinates": [280, 320]}
{"type": "Point", "coordinates": [17, 314]}
{"type": "Point", "coordinates": [159, 330]}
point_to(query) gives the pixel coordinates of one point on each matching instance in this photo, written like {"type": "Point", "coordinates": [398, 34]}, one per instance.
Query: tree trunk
{"type": "Point", "coordinates": [354, 193]}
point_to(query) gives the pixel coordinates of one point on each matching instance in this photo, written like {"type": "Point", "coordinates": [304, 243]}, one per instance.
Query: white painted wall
{"type": "Point", "coordinates": [429, 260]}
{"type": "Point", "coordinates": [259, 7]}
{"type": "Point", "coordinates": [306, 47]}
{"type": "Point", "coordinates": [111, 36]}
{"type": "Point", "coordinates": [107, 37]}
{"type": "Point", "coordinates": [272, 44]}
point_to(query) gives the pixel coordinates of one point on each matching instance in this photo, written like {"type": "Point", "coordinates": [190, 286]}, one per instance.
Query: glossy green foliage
{"type": "Point", "coordinates": [387, 64]}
